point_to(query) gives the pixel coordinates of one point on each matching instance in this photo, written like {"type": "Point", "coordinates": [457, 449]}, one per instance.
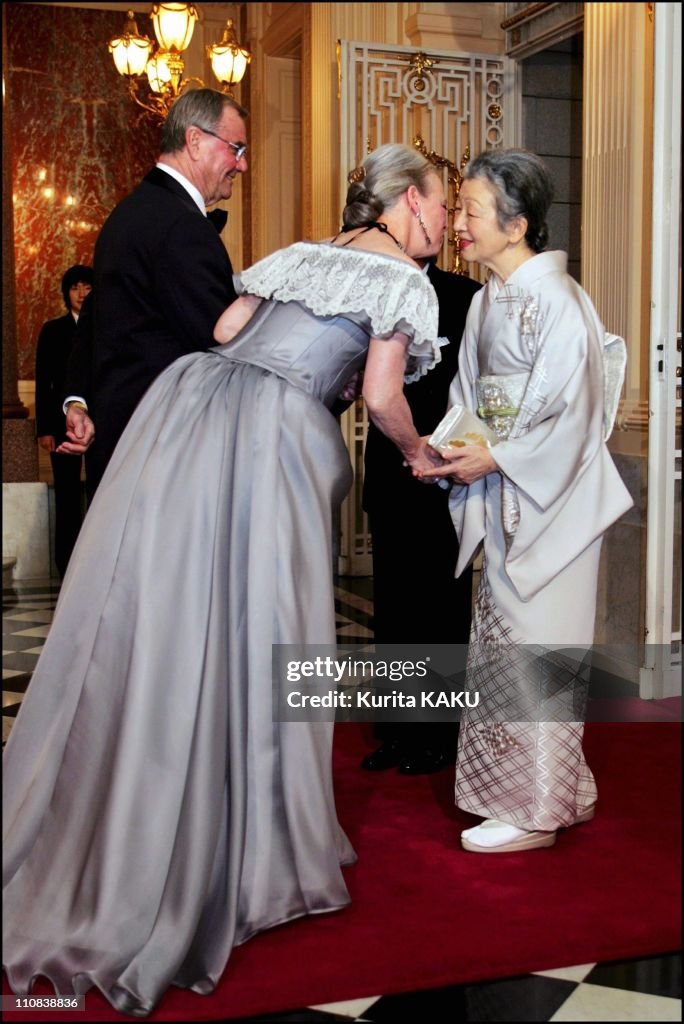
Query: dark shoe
{"type": "Point", "coordinates": [388, 755]}
{"type": "Point", "coordinates": [424, 762]}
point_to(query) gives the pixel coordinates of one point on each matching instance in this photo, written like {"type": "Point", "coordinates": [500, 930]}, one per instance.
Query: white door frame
{"type": "Point", "coordinates": [660, 675]}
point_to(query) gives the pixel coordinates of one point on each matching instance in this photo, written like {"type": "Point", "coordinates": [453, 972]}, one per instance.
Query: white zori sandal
{"type": "Point", "coordinates": [492, 836]}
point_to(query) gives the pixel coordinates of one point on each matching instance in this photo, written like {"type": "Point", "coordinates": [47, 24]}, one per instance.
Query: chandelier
{"type": "Point", "coordinates": [173, 24]}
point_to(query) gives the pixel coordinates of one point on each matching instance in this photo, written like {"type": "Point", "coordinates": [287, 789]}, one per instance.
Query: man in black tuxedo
{"type": "Point", "coordinates": [162, 275]}
{"type": "Point", "coordinates": [415, 595]}
{"type": "Point", "coordinates": [55, 344]}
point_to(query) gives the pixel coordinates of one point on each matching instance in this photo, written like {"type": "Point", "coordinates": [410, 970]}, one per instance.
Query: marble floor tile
{"type": "Point", "coordinates": [595, 1003]}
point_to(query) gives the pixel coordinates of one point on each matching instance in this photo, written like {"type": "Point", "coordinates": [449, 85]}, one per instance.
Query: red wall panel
{"type": "Point", "coordinates": [78, 145]}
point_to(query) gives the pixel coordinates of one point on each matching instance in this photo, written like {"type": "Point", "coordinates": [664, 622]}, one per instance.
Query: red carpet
{"type": "Point", "coordinates": [426, 914]}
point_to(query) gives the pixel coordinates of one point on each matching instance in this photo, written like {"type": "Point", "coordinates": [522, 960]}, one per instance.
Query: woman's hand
{"type": "Point", "coordinates": [462, 465]}
{"type": "Point", "coordinates": [424, 462]}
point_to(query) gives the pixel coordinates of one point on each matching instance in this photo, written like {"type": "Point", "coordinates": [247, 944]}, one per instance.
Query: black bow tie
{"type": "Point", "coordinates": [219, 218]}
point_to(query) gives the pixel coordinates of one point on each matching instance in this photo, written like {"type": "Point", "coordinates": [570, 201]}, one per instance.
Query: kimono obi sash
{"type": "Point", "coordinates": [499, 397]}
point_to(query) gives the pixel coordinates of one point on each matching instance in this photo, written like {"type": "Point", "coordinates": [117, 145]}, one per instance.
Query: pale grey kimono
{"type": "Point", "coordinates": [532, 366]}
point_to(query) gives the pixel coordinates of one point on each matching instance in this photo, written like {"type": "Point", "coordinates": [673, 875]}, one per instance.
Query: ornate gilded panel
{"type": "Point", "coordinates": [450, 105]}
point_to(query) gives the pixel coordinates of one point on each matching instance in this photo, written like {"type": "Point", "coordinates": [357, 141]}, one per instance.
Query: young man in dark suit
{"type": "Point", "coordinates": [55, 344]}
{"type": "Point", "coordinates": [162, 274]}
{"type": "Point", "coordinates": [415, 595]}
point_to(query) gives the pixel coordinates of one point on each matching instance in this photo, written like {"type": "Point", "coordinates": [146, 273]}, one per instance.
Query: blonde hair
{"type": "Point", "coordinates": [382, 178]}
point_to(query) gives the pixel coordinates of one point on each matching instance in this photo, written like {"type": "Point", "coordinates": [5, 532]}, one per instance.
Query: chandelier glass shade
{"type": "Point", "coordinates": [158, 72]}
{"type": "Point", "coordinates": [174, 25]}
{"type": "Point", "coordinates": [228, 59]}
{"type": "Point", "coordinates": [130, 50]}
{"type": "Point", "coordinates": [136, 59]}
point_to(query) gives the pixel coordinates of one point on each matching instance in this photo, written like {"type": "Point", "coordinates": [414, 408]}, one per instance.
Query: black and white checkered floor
{"type": "Point", "coordinates": [646, 990]}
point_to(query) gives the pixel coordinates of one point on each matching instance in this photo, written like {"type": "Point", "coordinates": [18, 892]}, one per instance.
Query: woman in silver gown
{"type": "Point", "coordinates": [155, 814]}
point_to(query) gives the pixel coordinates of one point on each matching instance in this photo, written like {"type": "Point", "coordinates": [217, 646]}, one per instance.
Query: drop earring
{"type": "Point", "coordinates": [423, 228]}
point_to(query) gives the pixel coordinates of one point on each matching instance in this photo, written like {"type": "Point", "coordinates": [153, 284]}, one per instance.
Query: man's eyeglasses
{"type": "Point", "coordinates": [239, 148]}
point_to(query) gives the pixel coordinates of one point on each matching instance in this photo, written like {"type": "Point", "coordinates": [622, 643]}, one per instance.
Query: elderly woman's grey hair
{"type": "Point", "coordinates": [382, 178]}
{"type": "Point", "coordinates": [522, 186]}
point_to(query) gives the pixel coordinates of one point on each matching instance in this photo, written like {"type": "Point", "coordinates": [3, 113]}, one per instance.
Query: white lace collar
{"type": "Point", "coordinates": [333, 280]}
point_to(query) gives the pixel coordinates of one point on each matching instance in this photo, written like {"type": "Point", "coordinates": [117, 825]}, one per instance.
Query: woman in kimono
{"type": "Point", "coordinates": [536, 366]}
{"type": "Point", "coordinates": [155, 813]}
